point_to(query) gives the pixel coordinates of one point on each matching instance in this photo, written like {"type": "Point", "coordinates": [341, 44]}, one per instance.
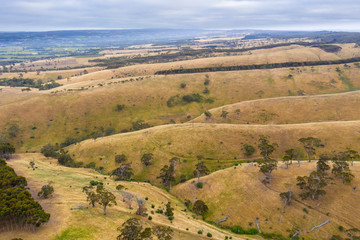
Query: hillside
{"type": "Point", "coordinates": [288, 110]}
{"type": "Point", "coordinates": [220, 145]}
{"type": "Point", "coordinates": [238, 193]}
{"type": "Point", "coordinates": [90, 223]}
{"type": "Point", "coordinates": [50, 117]}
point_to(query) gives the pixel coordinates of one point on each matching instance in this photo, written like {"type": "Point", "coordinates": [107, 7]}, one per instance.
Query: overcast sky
{"type": "Point", "coordinates": [39, 15]}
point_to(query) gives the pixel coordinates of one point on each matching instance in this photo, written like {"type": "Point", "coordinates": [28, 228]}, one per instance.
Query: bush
{"type": "Point", "coordinates": [120, 158]}
{"type": "Point", "coordinates": [150, 218]}
{"type": "Point", "coordinates": [240, 230]}
{"type": "Point", "coordinates": [183, 85]}
{"type": "Point", "coordinates": [50, 150]}
{"type": "Point", "coordinates": [200, 232]}
{"type": "Point", "coordinates": [96, 183]}
{"type": "Point", "coordinates": [90, 165]}
{"type": "Point", "coordinates": [209, 234]}
{"type": "Point", "coordinates": [206, 82]}
{"type": "Point", "coordinates": [46, 191]}
{"type": "Point", "coordinates": [199, 185]}
{"type": "Point", "coordinates": [119, 107]}
{"type": "Point", "coordinates": [147, 158]}
{"type": "Point", "coordinates": [208, 114]}
{"type": "Point", "coordinates": [248, 149]}
{"type": "Point", "coordinates": [195, 97]}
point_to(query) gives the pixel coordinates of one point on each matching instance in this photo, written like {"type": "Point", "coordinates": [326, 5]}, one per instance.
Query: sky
{"type": "Point", "coordinates": [46, 15]}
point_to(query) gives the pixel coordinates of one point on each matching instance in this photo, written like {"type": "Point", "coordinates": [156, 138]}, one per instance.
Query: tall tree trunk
{"type": "Point", "coordinates": [104, 209]}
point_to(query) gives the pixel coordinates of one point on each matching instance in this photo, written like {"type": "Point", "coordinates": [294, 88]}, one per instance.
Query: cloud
{"type": "Point", "coordinates": [28, 15]}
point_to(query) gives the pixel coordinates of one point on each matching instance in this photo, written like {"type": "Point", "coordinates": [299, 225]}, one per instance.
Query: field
{"type": "Point", "coordinates": [238, 193]}
{"type": "Point", "coordinates": [90, 223]}
{"type": "Point", "coordinates": [101, 110]}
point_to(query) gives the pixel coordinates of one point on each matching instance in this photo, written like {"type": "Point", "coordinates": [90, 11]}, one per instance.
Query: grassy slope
{"type": "Point", "coordinates": [239, 194]}
{"type": "Point", "coordinates": [57, 116]}
{"type": "Point", "coordinates": [90, 223]}
{"type": "Point", "coordinates": [288, 110]}
{"type": "Point", "coordinates": [220, 144]}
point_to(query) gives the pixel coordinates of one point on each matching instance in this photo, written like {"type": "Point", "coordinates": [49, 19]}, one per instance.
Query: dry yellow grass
{"type": "Point", "coordinates": [68, 183]}
{"type": "Point", "coordinates": [239, 194]}
{"type": "Point", "coordinates": [57, 116]}
{"type": "Point", "coordinates": [219, 144]}
{"type": "Point", "coordinates": [287, 110]}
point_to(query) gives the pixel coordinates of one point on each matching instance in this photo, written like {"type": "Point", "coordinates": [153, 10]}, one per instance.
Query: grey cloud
{"type": "Point", "coordinates": [29, 15]}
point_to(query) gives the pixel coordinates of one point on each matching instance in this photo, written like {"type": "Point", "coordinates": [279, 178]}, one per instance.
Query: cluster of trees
{"type": "Point", "coordinates": [132, 229]}
{"type": "Point", "coordinates": [17, 208]}
{"type": "Point", "coordinates": [259, 66]}
{"type": "Point", "coordinates": [6, 149]}
{"type": "Point", "coordinates": [182, 100]}
{"type": "Point", "coordinates": [30, 83]}
{"type": "Point", "coordinates": [98, 194]}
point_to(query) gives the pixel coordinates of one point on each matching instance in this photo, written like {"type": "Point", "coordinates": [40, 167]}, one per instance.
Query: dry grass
{"type": "Point", "coordinates": [239, 194]}
{"type": "Point", "coordinates": [288, 110]}
{"type": "Point", "coordinates": [219, 144]}
{"type": "Point", "coordinates": [68, 183]}
{"type": "Point", "coordinates": [57, 116]}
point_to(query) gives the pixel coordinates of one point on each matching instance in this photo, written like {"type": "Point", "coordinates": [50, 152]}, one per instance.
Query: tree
{"type": "Point", "coordinates": [321, 165]}
{"type": "Point", "coordinates": [266, 149]}
{"type": "Point", "coordinates": [167, 175]}
{"type": "Point", "coordinates": [105, 198]}
{"type": "Point", "coordinates": [13, 130]}
{"type": "Point", "coordinates": [353, 233]}
{"type": "Point", "coordinates": [310, 144]}
{"type": "Point", "coordinates": [163, 233]}
{"type": "Point", "coordinates": [46, 191]}
{"type": "Point", "coordinates": [127, 197]}
{"type": "Point", "coordinates": [130, 230]}
{"type": "Point", "coordinates": [120, 158]}
{"type": "Point", "coordinates": [200, 207]}
{"type": "Point", "coordinates": [291, 154]}
{"type": "Point", "coordinates": [351, 155]}
{"type": "Point", "coordinates": [201, 170]}
{"type": "Point", "coordinates": [169, 210]}
{"type": "Point", "coordinates": [312, 185]}
{"type": "Point", "coordinates": [286, 160]}
{"type": "Point", "coordinates": [91, 195]}
{"type": "Point", "coordinates": [286, 198]}
{"type": "Point", "coordinates": [147, 158]}
{"type": "Point", "coordinates": [268, 164]}
{"type": "Point", "coordinates": [124, 172]}
{"type": "Point", "coordinates": [6, 149]}
{"type": "Point", "coordinates": [50, 150]}
{"type": "Point", "coordinates": [141, 207]}
{"type": "Point", "coordinates": [341, 168]}
{"type": "Point", "coordinates": [64, 158]}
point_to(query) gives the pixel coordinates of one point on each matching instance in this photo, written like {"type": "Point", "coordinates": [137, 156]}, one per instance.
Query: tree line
{"type": "Point", "coordinates": [17, 208]}
{"type": "Point", "coordinates": [259, 66]}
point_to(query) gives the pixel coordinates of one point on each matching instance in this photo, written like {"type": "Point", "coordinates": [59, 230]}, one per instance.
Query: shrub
{"type": "Point", "coordinates": [208, 114]}
{"type": "Point", "coordinates": [240, 230]}
{"type": "Point", "coordinates": [96, 183]}
{"type": "Point", "coordinates": [195, 97]}
{"type": "Point", "coordinates": [46, 191]}
{"type": "Point", "coordinates": [90, 165]}
{"type": "Point", "coordinates": [119, 107]}
{"type": "Point", "coordinates": [206, 82]}
{"type": "Point", "coordinates": [183, 85]}
{"type": "Point", "coordinates": [206, 91]}
{"type": "Point", "coordinates": [248, 149]}
{"type": "Point", "coordinates": [147, 158]}
{"type": "Point", "coordinates": [50, 150]}
{"type": "Point", "coordinates": [199, 185]}
{"type": "Point", "coordinates": [209, 234]}
{"type": "Point", "coordinates": [200, 232]}
{"type": "Point", "coordinates": [150, 218]}
{"type": "Point", "coordinates": [120, 158]}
